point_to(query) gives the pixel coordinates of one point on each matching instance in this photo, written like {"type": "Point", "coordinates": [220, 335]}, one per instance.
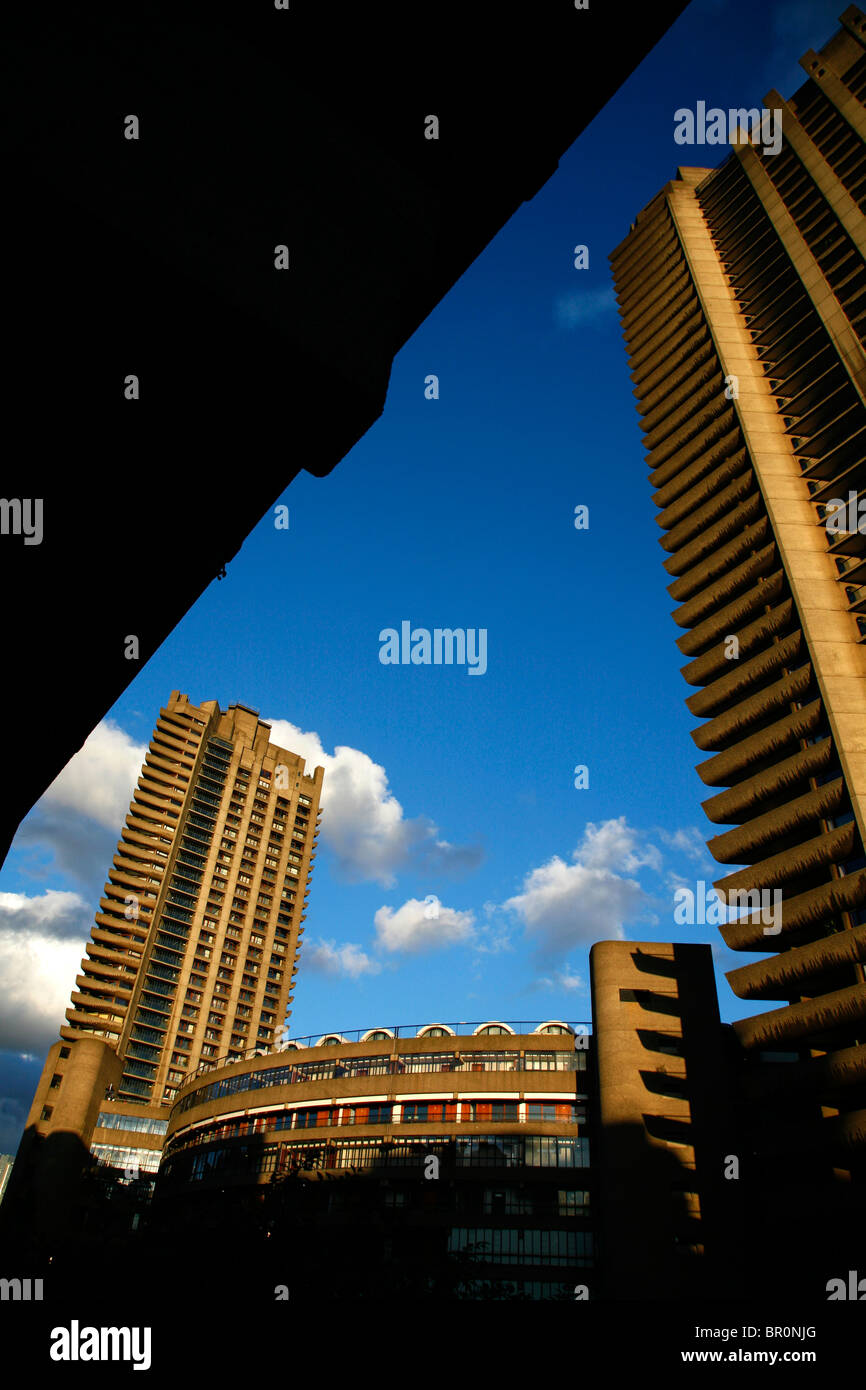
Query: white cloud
{"type": "Point", "coordinates": [409, 930]}
{"type": "Point", "coordinates": [55, 913]}
{"type": "Point", "coordinates": [491, 938]}
{"type": "Point", "coordinates": [567, 905]}
{"type": "Point", "coordinates": [99, 781]}
{"type": "Point", "coordinates": [364, 825]}
{"type": "Point", "coordinates": [566, 978]}
{"type": "Point", "coordinates": [614, 844]}
{"type": "Point", "coordinates": [327, 958]}
{"type": "Point", "coordinates": [688, 840]}
{"type": "Point", "coordinates": [363, 822]}
{"type": "Point", "coordinates": [79, 818]}
{"type": "Point", "coordinates": [41, 947]}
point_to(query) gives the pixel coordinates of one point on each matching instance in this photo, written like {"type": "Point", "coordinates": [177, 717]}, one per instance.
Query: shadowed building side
{"type": "Point", "coordinates": [47, 1186]}
{"type": "Point", "coordinates": [186, 353]}
{"type": "Point", "coordinates": [664, 1122]}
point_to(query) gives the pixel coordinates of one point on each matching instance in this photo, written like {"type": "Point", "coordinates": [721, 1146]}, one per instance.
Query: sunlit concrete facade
{"type": "Point", "coordinates": [194, 949]}
{"type": "Point", "coordinates": [475, 1148]}
{"type": "Point", "coordinates": [742, 292]}
{"type": "Point", "coordinates": [195, 945]}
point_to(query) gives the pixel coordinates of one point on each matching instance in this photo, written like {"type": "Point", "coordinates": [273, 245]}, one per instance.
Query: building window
{"type": "Point", "coordinates": [115, 1156]}
{"type": "Point", "coordinates": [111, 1120]}
{"type": "Point", "coordinates": [489, 1110]}
{"type": "Point", "coordinates": [47, 1112]}
{"type": "Point", "coordinates": [522, 1246]}
{"type": "Point", "coordinates": [507, 1201]}
{"type": "Point", "coordinates": [310, 1119]}
{"type": "Point", "coordinates": [367, 1114]}
{"type": "Point", "coordinates": [56, 1080]}
{"type": "Point", "coordinates": [436, 1112]}
{"type": "Point", "coordinates": [550, 1110]}
{"type": "Point", "coordinates": [548, 1061]}
{"type": "Point", "coordinates": [548, 1151]}
{"type": "Point", "coordinates": [573, 1202]}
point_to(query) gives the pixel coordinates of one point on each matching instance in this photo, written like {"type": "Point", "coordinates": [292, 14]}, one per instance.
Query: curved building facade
{"type": "Point", "coordinates": [464, 1155]}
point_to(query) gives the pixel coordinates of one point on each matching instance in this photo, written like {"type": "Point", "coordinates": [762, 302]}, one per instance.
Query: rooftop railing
{"type": "Point", "coordinates": [420, 1032]}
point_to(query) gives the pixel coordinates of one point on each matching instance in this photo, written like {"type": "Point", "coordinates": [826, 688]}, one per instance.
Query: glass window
{"type": "Point", "coordinates": [507, 1201]}
{"type": "Point", "coordinates": [490, 1151]}
{"type": "Point", "coordinates": [378, 1114]}
{"type": "Point", "coordinates": [550, 1061]}
{"type": "Point", "coordinates": [436, 1112]}
{"type": "Point", "coordinates": [493, 1110]}
{"type": "Point", "coordinates": [550, 1151]}
{"type": "Point", "coordinates": [573, 1201]}
{"type": "Point", "coordinates": [312, 1118]}
{"type": "Point", "coordinates": [550, 1110]}
{"type": "Point", "coordinates": [140, 1123]}
{"type": "Point", "coordinates": [115, 1156]}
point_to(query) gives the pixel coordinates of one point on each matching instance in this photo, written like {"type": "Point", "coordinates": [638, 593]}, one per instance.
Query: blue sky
{"type": "Point", "coordinates": [456, 512]}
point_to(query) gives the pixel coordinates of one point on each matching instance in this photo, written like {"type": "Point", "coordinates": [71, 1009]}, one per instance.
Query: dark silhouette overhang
{"type": "Point", "coordinates": [155, 257]}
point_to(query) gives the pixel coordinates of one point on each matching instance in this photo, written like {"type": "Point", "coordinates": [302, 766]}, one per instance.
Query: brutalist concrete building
{"type": "Point", "coordinates": [742, 292]}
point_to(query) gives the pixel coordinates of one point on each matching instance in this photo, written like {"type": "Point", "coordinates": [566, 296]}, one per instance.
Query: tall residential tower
{"type": "Point", "coordinates": [743, 299]}
{"type": "Point", "coordinates": [195, 944]}
{"type": "Point", "coordinates": [194, 948]}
